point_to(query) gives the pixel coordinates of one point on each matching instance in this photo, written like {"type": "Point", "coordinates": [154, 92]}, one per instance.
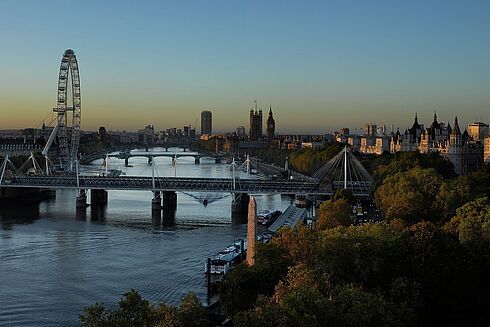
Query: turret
{"type": "Point", "coordinates": [455, 137]}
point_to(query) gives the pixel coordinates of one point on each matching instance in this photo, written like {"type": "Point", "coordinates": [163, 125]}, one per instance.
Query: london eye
{"type": "Point", "coordinates": [68, 111]}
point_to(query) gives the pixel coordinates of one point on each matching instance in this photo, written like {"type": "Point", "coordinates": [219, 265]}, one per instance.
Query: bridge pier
{"type": "Point", "coordinates": [239, 208]}
{"type": "Point", "coordinates": [81, 201]}
{"type": "Point", "coordinates": [126, 162]}
{"type": "Point", "coordinates": [197, 160]}
{"type": "Point", "coordinates": [98, 198]}
{"type": "Point", "coordinates": [217, 160]}
{"type": "Point", "coordinates": [81, 205]}
{"type": "Point", "coordinates": [156, 208]}
{"type": "Point", "coordinates": [169, 200]}
{"type": "Point", "coordinates": [150, 160]}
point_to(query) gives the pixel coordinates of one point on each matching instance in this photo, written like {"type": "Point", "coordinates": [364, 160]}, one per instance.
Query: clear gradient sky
{"type": "Point", "coordinates": [321, 64]}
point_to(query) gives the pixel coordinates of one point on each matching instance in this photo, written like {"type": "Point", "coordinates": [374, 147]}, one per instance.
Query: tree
{"type": "Point", "coordinates": [409, 195]}
{"type": "Point", "coordinates": [405, 161]}
{"type": "Point", "coordinates": [191, 313]}
{"type": "Point", "coordinates": [346, 195]}
{"type": "Point", "coordinates": [239, 289]}
{"type": "Point", "coordinates": [332, 214]}
{"type": "Point", "coordinates": [472, 222]}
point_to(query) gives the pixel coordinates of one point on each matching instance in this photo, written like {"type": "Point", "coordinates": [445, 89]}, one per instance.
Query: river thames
{"type": "Point", "coordinates": [52, 264]}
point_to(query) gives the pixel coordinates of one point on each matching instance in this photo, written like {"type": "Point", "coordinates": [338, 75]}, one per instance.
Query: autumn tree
{"type": "Point", "coordinates": [333, 213]}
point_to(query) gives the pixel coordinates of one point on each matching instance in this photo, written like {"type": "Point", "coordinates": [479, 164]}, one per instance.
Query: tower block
{"type": "Point", "coordinates": [251, 230]}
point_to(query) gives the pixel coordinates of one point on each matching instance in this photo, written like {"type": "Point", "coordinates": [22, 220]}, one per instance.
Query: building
{"type": "Point", "coordinates": [206, 122]}
{"type": "Point", "coordinates": [465, 150]}
{"type": "Point", "coordinates": [255, 132]}
{"type": "Point", "coordinates": [147, 135]}
{"type": "Point", "coordinates": [478, 131]}
{"type": "Point", "coordinates": [270, 127]}
{"type": "Point", "coordinates": [102, 134]}
{"type": "Point", "coordinates": [461, 149]}
{"type": "Point", "coordinates": [486, 149]}
{"type": "Point", "coordinates": [344, 131]}
{"type": "Point", "coordinates": [240, 131]}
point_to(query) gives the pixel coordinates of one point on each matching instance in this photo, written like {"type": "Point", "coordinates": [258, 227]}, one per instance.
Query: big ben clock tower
{"type": "Point", "coordinates": [270, 127]}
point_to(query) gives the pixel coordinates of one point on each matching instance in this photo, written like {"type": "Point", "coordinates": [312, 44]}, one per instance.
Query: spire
{"type": "Point", "coordinates": [456, 130]}
{"type": "Point", "coordinates": [416, 119]}
{"type": "Point", "coordinates": [435, 115]}
{"type": "Point", "coordinates": [270, 110]}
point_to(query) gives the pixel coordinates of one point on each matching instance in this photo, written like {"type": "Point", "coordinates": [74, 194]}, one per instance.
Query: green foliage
{"type": "Point", "coordinates": [241, 287]}
{"type": "Point", "coordinates": [381, 274]}
{"type": "Point", "coordinates": [134, 311]}
{"type": "Point", "coordinates": [409, 195]}
{"type": "Point", "coordinates": [472, 222]}
{"type": "Point", "coordinates": [346, 195]}
{"type": "Point", "coordinates": [307, 161]}
{"type": "Point", "coordinates": [405, 161]}
{"type": "Point", "coordinates": [334, 213]}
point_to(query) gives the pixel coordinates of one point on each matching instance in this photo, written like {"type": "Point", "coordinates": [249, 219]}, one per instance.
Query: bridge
{"type": "Point", "coordinates": [126, 155]}
{"type": "Point", "coordinates": [15, 150]}
{"type": "Point", "coordinates": [343, 171]}
{"type": "Point", "coordinates": [179, 184]}
{"type": "Point", "coordinates": [151, 155]}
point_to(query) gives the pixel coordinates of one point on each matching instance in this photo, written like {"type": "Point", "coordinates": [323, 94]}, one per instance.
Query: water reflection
{"type": "Point", "coordinates": [18, 213]}
{"type": "Point", "coordinates": [54, 260]}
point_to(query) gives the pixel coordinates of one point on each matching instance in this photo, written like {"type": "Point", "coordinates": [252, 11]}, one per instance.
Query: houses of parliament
{"type": "Point", "coordinates": [256, 122]}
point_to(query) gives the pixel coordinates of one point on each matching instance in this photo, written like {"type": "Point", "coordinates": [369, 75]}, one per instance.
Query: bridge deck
{"type": "Point", "coordinates": [225, 185]}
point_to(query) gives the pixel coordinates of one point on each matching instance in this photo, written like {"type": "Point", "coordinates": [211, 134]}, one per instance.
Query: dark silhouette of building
{"type": "Point", "coordinates": [206, 122]}
{"type": "Point", "coordinates": [102, 134]}
{"type": "Point", "coordinates": [270, 126]}
{"type": "Point", "coordinates": [255, 132]}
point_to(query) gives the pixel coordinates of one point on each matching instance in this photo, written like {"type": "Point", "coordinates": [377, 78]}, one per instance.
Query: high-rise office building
{"type": "Point", "coordinates": [478, 131]}
{"type": "Point", "coordinates": [206, 122]}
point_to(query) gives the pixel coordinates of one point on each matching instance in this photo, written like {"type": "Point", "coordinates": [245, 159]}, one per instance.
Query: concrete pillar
{"type": "Point", "coordinates": [81, 201]}
{"type": "Point", "coordinates": [156, 209]}
{"type": "Point", "coordinates": [169, 200]}
{"type": "Point", "coordinates": [98, 198]}
{"type": "Point", "coordinates": [81, 205]}
{"type": "Point", "coordinates": [168, 217]}
{"type": "Point", "coordinates": [251, 231]}
{"type": "Point", "coordinates": [126, 162]}
{"type": "Point", "coordinates": [239, 208]}
{"type": "Point", "coordinates": [156, 202]}
{"type": "Point", "coordinates": [97, 213]}
{"type": "Point", "coordinates": [197, 160]}
{"type": "Point", "coordinates": [217, 160]}
{"type": "Point", "coordinates": [150, 160]}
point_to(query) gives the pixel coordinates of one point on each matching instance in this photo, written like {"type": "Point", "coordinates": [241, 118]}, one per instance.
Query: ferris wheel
{"type": "Point", "coordinates": [68, 111]}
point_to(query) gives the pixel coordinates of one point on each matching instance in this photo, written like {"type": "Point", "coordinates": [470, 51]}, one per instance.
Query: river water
{"type": "Point", "coordinates": [52, 264]}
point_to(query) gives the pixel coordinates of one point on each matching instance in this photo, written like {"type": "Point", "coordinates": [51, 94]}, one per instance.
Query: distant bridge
{"type": "Point", "coordinates": [15, 150]}
{"type": "Point", "coordinates": [150, 156]}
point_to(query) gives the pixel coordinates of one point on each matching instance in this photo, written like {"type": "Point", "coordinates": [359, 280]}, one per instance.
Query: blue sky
{"type": "Point", "coordinates": [321, 64]}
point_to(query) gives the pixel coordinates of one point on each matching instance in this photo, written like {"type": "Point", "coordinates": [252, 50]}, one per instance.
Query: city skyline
{"type": "Point", "coordinates": [337, 65]}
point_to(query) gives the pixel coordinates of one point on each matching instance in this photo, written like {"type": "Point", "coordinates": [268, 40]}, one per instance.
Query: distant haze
{"type": "Point", "coordinates": [322, 65]}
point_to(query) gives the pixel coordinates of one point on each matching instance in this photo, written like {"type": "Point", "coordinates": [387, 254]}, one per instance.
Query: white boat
{"type": "Point", "coordinates": [223, 261]}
